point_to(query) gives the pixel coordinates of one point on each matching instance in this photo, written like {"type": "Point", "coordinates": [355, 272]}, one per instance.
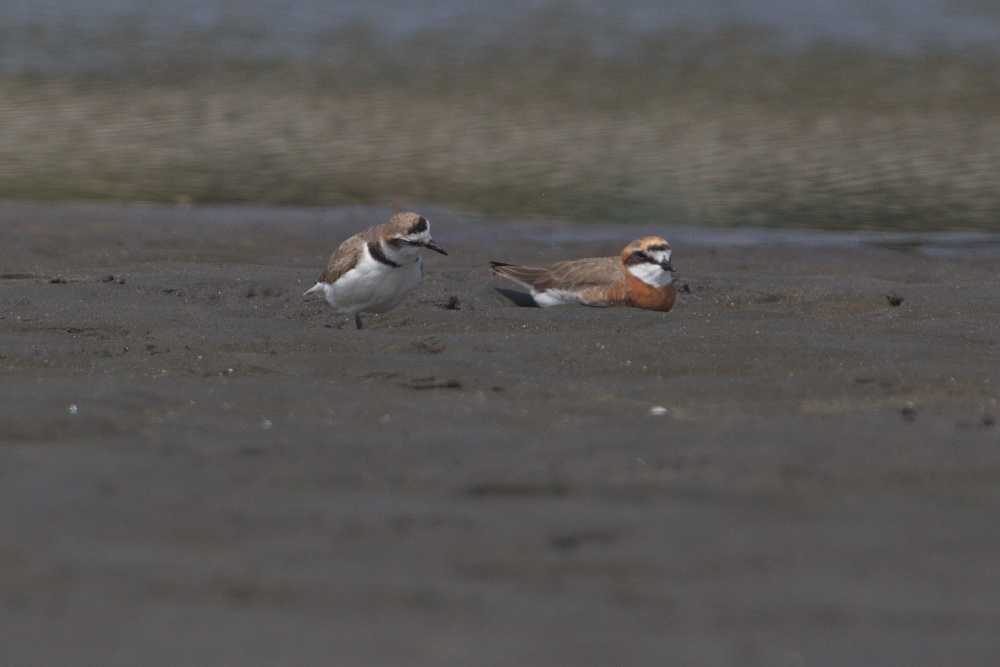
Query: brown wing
{"type": "Point", "coordinates": [576, 274]}
{"type": "Point", "coordinates": [347, 254]}
{"type": "Point", "coordinates": [579, 274]}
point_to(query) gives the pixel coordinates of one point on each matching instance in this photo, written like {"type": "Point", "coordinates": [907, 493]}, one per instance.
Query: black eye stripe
{"type": "Point", "coordinates": [644, 256]}
{"type": "Point", "coordinates": [639, 258]}
{"type": "Point", "coordinates": [400, 241]}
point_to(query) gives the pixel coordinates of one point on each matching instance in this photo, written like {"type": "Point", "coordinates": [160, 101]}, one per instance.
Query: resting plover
{"type": "Point", "coordinates": [641, 277]}
{"type": "Point", "coordinates": [373, 271]}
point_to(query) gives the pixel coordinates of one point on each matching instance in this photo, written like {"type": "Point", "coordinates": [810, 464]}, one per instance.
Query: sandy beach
{"type": "Point", "coordinates": [199, 466]}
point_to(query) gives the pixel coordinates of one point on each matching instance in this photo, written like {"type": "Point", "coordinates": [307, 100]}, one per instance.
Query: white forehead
{"type": "Point", "coordinates": [659, 254]}
{"type": "Point", "coordinates": [426, 234]}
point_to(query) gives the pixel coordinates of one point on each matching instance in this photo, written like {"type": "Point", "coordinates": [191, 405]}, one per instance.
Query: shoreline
{"type": "Point", "coordinates": [298, 222]}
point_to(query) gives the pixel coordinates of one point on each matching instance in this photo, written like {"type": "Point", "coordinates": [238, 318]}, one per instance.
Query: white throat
{"type": "Point", "coordinates": [651, 274]}
{"type": "Point", "coordinates": [406, 254]}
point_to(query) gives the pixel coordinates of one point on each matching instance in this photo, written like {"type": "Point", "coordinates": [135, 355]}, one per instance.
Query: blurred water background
{"type": "Point", "coordinates": [839, 114]}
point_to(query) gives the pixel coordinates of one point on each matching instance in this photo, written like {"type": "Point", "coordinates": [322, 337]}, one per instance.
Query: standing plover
{"type": "Point", "coordinates": [641, 277]}
{"type": "Point", "coordinates": [373, 271]}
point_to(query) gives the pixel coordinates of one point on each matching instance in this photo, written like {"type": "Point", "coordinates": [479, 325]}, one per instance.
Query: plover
{"type": "Point", "coordinates": [374, 270]}
{"type": "Point", "coordinates": [640, 277]}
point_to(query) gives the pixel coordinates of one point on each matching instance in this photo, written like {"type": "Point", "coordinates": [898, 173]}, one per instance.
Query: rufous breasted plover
{"type": "Point", "coordinates": [374, 270]}
{"type": "Point", "coordinates": [640, 277]}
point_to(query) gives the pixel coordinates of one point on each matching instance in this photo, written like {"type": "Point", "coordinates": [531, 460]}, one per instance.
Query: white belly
{"type": "Point", "coordinates": [373, 287]}
{"type": "Point", "coordinates": [554, 297]}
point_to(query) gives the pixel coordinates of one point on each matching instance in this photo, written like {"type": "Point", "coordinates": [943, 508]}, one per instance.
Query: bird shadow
{"type": "Point", "coordinates": [520, 299]}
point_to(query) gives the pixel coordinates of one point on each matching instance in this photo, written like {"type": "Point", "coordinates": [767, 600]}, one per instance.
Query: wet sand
{"type": "Point", "coordinates": [199, 466]}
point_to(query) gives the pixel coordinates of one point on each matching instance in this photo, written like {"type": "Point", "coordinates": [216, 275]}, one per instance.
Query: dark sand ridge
{"type": "Point", "coordinates": [198, 465]}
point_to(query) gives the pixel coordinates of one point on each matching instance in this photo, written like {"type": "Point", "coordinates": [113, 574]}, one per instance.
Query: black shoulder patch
{"type": "Point", "coordinates": [375, 250]}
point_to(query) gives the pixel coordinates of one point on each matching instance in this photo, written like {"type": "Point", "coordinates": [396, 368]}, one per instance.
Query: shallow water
{"type": "Point", "coordinates": [223, 221]}
{"type": "Point", "coordinates": [60, 36]}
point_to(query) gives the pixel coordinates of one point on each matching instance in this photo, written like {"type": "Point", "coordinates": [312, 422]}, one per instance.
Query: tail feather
{"type": "Point", "coordinates": [318, 287]}
{"type": "Point", "coordinates": [526, 275]}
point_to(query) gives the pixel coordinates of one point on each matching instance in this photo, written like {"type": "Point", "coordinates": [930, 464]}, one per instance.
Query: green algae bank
{"type": "Point", "coordinates": [557, 111]}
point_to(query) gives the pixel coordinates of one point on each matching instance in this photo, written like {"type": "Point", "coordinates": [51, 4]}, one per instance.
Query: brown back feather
{"type": "Point", "coordinates": [347, 254]}
{"type": "Point", "coordinates": [581, 273]}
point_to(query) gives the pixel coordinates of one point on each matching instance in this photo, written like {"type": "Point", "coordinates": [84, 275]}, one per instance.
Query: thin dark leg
{"type": "Point", "coordinates": [357, 321]}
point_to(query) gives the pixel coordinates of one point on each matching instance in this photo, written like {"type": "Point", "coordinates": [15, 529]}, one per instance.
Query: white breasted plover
{"type": "Point", "coordinates": [641, 277]}
{"type": "Point", "coordinates": [373, 271]}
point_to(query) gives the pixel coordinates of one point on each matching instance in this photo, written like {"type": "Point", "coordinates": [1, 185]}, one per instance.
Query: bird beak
{"type": "Point", "coordinates": [667, 266]}
{"type": "Point", "coordinates": [435, 247]}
